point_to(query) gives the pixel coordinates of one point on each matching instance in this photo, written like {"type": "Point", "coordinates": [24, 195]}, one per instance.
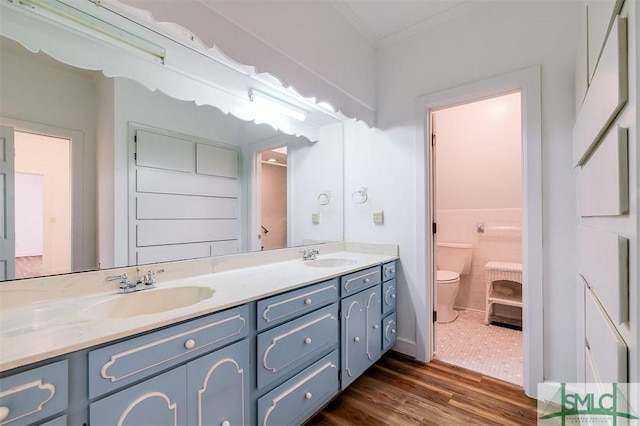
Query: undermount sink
{"type": "Point", "coordinates": [330, 262]}
{"type": "Point", "coordinates": [149, 302]}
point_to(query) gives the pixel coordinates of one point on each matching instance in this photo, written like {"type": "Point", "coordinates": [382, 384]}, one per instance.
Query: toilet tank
{"type": "Point", "coordinates": [454, 257]}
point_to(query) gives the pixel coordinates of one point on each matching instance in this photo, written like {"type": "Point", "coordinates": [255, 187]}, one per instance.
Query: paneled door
{"type": "Point", "coordinates": [7, 204]}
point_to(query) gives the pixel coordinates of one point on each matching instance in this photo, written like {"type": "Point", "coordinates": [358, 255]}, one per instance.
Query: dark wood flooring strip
{"type": "Point", "coordinates": [400, 391]}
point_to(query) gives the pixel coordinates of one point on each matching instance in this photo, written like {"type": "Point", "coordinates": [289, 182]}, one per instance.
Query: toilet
{"type": "Point", "coordinates": [452, 260]}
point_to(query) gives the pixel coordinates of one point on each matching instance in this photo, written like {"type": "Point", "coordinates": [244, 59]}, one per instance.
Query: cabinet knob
{"type": "Point", "coordinates": [393, 331]}
{"type": "Point", "coordinates": [376, 326]}
{"type": "Point", "coordinates": [366, 280]}
{"type": "Point", "coordinates": [225, 423]}
{"type": "Point", "coordinates": [189, 344]}
{"type": "Point", "coordinates": [307, 340]}
{"type": "Point", "coordinates": [4, 413]}
{"type": "Point", "coordinates": [307, 301]}
{"type": "Point", "coordinates": [356, 339]}
{"type": "Point", "coordinates": [393, 296]}
{"type": "Point", "coordinates": [308, 395]}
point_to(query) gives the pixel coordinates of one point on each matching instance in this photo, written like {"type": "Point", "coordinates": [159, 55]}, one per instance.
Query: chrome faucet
{"type": "Point", "coordinates": [144, 282]}
{"type": "Point", "coordinates": [309, 254]}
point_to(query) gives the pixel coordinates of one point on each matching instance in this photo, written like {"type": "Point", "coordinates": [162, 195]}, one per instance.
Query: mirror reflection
{"type": "Point", "coordinates": [109, 174]}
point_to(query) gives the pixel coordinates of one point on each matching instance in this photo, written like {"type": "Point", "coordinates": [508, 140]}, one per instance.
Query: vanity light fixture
{"type": "Point", "coordinates": [269, 103]}
{"type": "Point", "coordinates": [78, 16]}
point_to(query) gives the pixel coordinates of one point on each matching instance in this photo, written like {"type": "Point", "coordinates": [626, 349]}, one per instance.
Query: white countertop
{"type": "Point", "coordinates": [47, 317]}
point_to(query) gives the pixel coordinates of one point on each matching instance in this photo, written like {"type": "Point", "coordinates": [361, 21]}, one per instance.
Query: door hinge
{"type": "Point", "coordinates": [135, 155]}
{"type": "Point", "coordinates": [433, 139]}
{"type": "Point", "coordinates": [435, 316]}
{"type": "Point", "coordinates": [433, 227]}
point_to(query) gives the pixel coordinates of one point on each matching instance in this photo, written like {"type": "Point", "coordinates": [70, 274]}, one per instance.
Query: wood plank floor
{"type": "Point", "coordinates": [399, 391]}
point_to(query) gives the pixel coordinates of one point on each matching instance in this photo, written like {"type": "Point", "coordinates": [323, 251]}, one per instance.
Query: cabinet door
{"type": "Point", "coordinates": [389, 332]}
{"type": "Point", "coordinates": [159, 401]}
{"type": "Point", "coordinates": [353, 339]}
{"type": "Point", "coordinates": [373, 316]}
{"type": "Point", "coordinates": [218, 387]}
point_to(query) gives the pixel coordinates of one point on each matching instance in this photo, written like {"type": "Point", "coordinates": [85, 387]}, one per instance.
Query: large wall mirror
{"type": "Point", "coordinates": [108, 173]}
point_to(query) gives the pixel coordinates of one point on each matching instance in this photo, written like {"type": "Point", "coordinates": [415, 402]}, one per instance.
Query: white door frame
{"type": "Point", "coordinates": [77, 161]}
{"type": "Point", "coordinates": [526, 81]}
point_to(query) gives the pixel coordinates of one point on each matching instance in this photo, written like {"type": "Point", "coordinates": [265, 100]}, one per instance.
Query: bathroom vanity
{"type": "Point", "coordinates": [270, 343]}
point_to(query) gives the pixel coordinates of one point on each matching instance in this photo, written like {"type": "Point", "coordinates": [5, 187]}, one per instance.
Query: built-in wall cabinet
{"type": "Point", "coordinates": [601, 147]}
{"type": "Point", "coordinates": [274, 361]}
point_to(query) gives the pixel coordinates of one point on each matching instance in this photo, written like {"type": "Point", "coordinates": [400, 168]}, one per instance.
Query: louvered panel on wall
{"type": "Point", "coordinates": [600, 15]}
{"type": "Point", "coordinates": [169, 253]}
{"type": "Point", "coordinates": [603, 182]}
{"type": "Point", "coordinates": [166, 182]}
{"type": "Point", "coordinates": [603, 258]}
{"type": "Point", "coordinates": [212, 160]}
{"type": "Point", "coordinates": [170, 206]}
{"type": "Point", "coordinates": [606, 348]}
{"type": "Point", "coordinates": [185, 200]}
{"type": "Point", "coordinates": [164, 152]}
{"type": "Point", "coordinates": [606, 95]}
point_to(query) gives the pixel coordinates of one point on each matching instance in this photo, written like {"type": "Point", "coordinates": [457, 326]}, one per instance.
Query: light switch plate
{"type": "Point", "coordinates": [315, 218]}
{"type": "Point", "coordinates": [378, 217]}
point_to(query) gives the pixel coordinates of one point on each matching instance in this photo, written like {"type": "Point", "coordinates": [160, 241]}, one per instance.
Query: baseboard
{"type": "Point", "coordinates": [406, 347]}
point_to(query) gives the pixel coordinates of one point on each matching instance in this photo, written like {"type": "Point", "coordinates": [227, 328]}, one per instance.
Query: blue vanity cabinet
{"type": "Point", "coordinates": [120, 364]}
{"type": "Point", "coordinates": [299, 397]}
{"type": "Point", "coordinates": [218, 387]}
{"type": "Point", "coordinates": [389, 306]}
{"type": "Point", "coordinates": [361, 333]}
{"type": "Point", "coordinates": [160, 400]}
{"type": "Point", "coordinates": [33, 395]}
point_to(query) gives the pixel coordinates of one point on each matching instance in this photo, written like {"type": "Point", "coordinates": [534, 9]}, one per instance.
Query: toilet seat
{"type": "Point", "coordinates": [446, 277]}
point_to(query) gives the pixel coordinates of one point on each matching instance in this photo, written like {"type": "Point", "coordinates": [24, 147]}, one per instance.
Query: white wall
{"type": "Point", "coordinates": [315, 168]}
{"type": "Point", "coordinates": [491, 40]}
{"type": "Point", "coordinates": [477, 155]}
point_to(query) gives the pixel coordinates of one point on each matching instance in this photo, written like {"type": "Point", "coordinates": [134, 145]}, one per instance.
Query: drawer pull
{"type": "Point", "coordinates": [393, 296]}
{"type": "Point", "coordinates": [307, 341]}
{"type": "Point", "coordinates": [376, 326]}
{"type": "Point", "coordinates": [308, 395]}
{"type": "Point", "coordinates": [390, 271]}
{"type": "Point", "coordinates": [4, 413]}
{"type": "Point", "coordinates": [366, 280]}
{"type": "Point", "coordinates": [356, 339]}
{"type": "Point", "coordinates": [307, 301]}
{"type": "Point", "coordinates": [189, 344]}
{"type": "Point", "coordinates": [225, 423]}
{"type": "Point", "coordinates": [393, 331]}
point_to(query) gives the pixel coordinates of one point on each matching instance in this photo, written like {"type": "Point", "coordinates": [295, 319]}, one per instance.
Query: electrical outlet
{"type": "Point", "coordinates": [315, 218]}
{"type": "Point", "coordinates": [378, 217]}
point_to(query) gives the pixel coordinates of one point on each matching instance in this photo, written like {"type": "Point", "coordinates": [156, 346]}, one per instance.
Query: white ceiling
{"type": "Point", "coordinates": [384, 22]}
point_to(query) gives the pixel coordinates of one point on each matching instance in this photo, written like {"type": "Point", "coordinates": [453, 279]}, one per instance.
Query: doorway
{"type": "Point", "coordinates": [528, 82]}
{"type": "Point", "coordinates": [42, 204]}
{"type": "Point", "coordinates": [272, 198]}
{"type": "Point", "coordinates": [476, 161]}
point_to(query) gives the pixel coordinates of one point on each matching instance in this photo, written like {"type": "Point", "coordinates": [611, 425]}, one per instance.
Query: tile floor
{"type": "Point", "coordinates": [488, 349]}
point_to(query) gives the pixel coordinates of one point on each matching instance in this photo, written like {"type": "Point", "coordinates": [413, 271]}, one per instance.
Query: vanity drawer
{"type": "Point", "coordinates": [277, 309]}
{"type": "Point", "coordinates": [388, 271]}
{"type": "Point", "coordinates": [389, 327]}
{"type": "Point", "coordinates": [122, 363]}
{"type": "Point", "coordinates": [282, 349]}
{"type": "Point", "coordinates": [299, 397]}
{"type": "Point", "coordinates": [360, 280]}
{"type": "Point", "coordinates": [388, 296]}
{"type": "Point", "coordinates": [35, 394]}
